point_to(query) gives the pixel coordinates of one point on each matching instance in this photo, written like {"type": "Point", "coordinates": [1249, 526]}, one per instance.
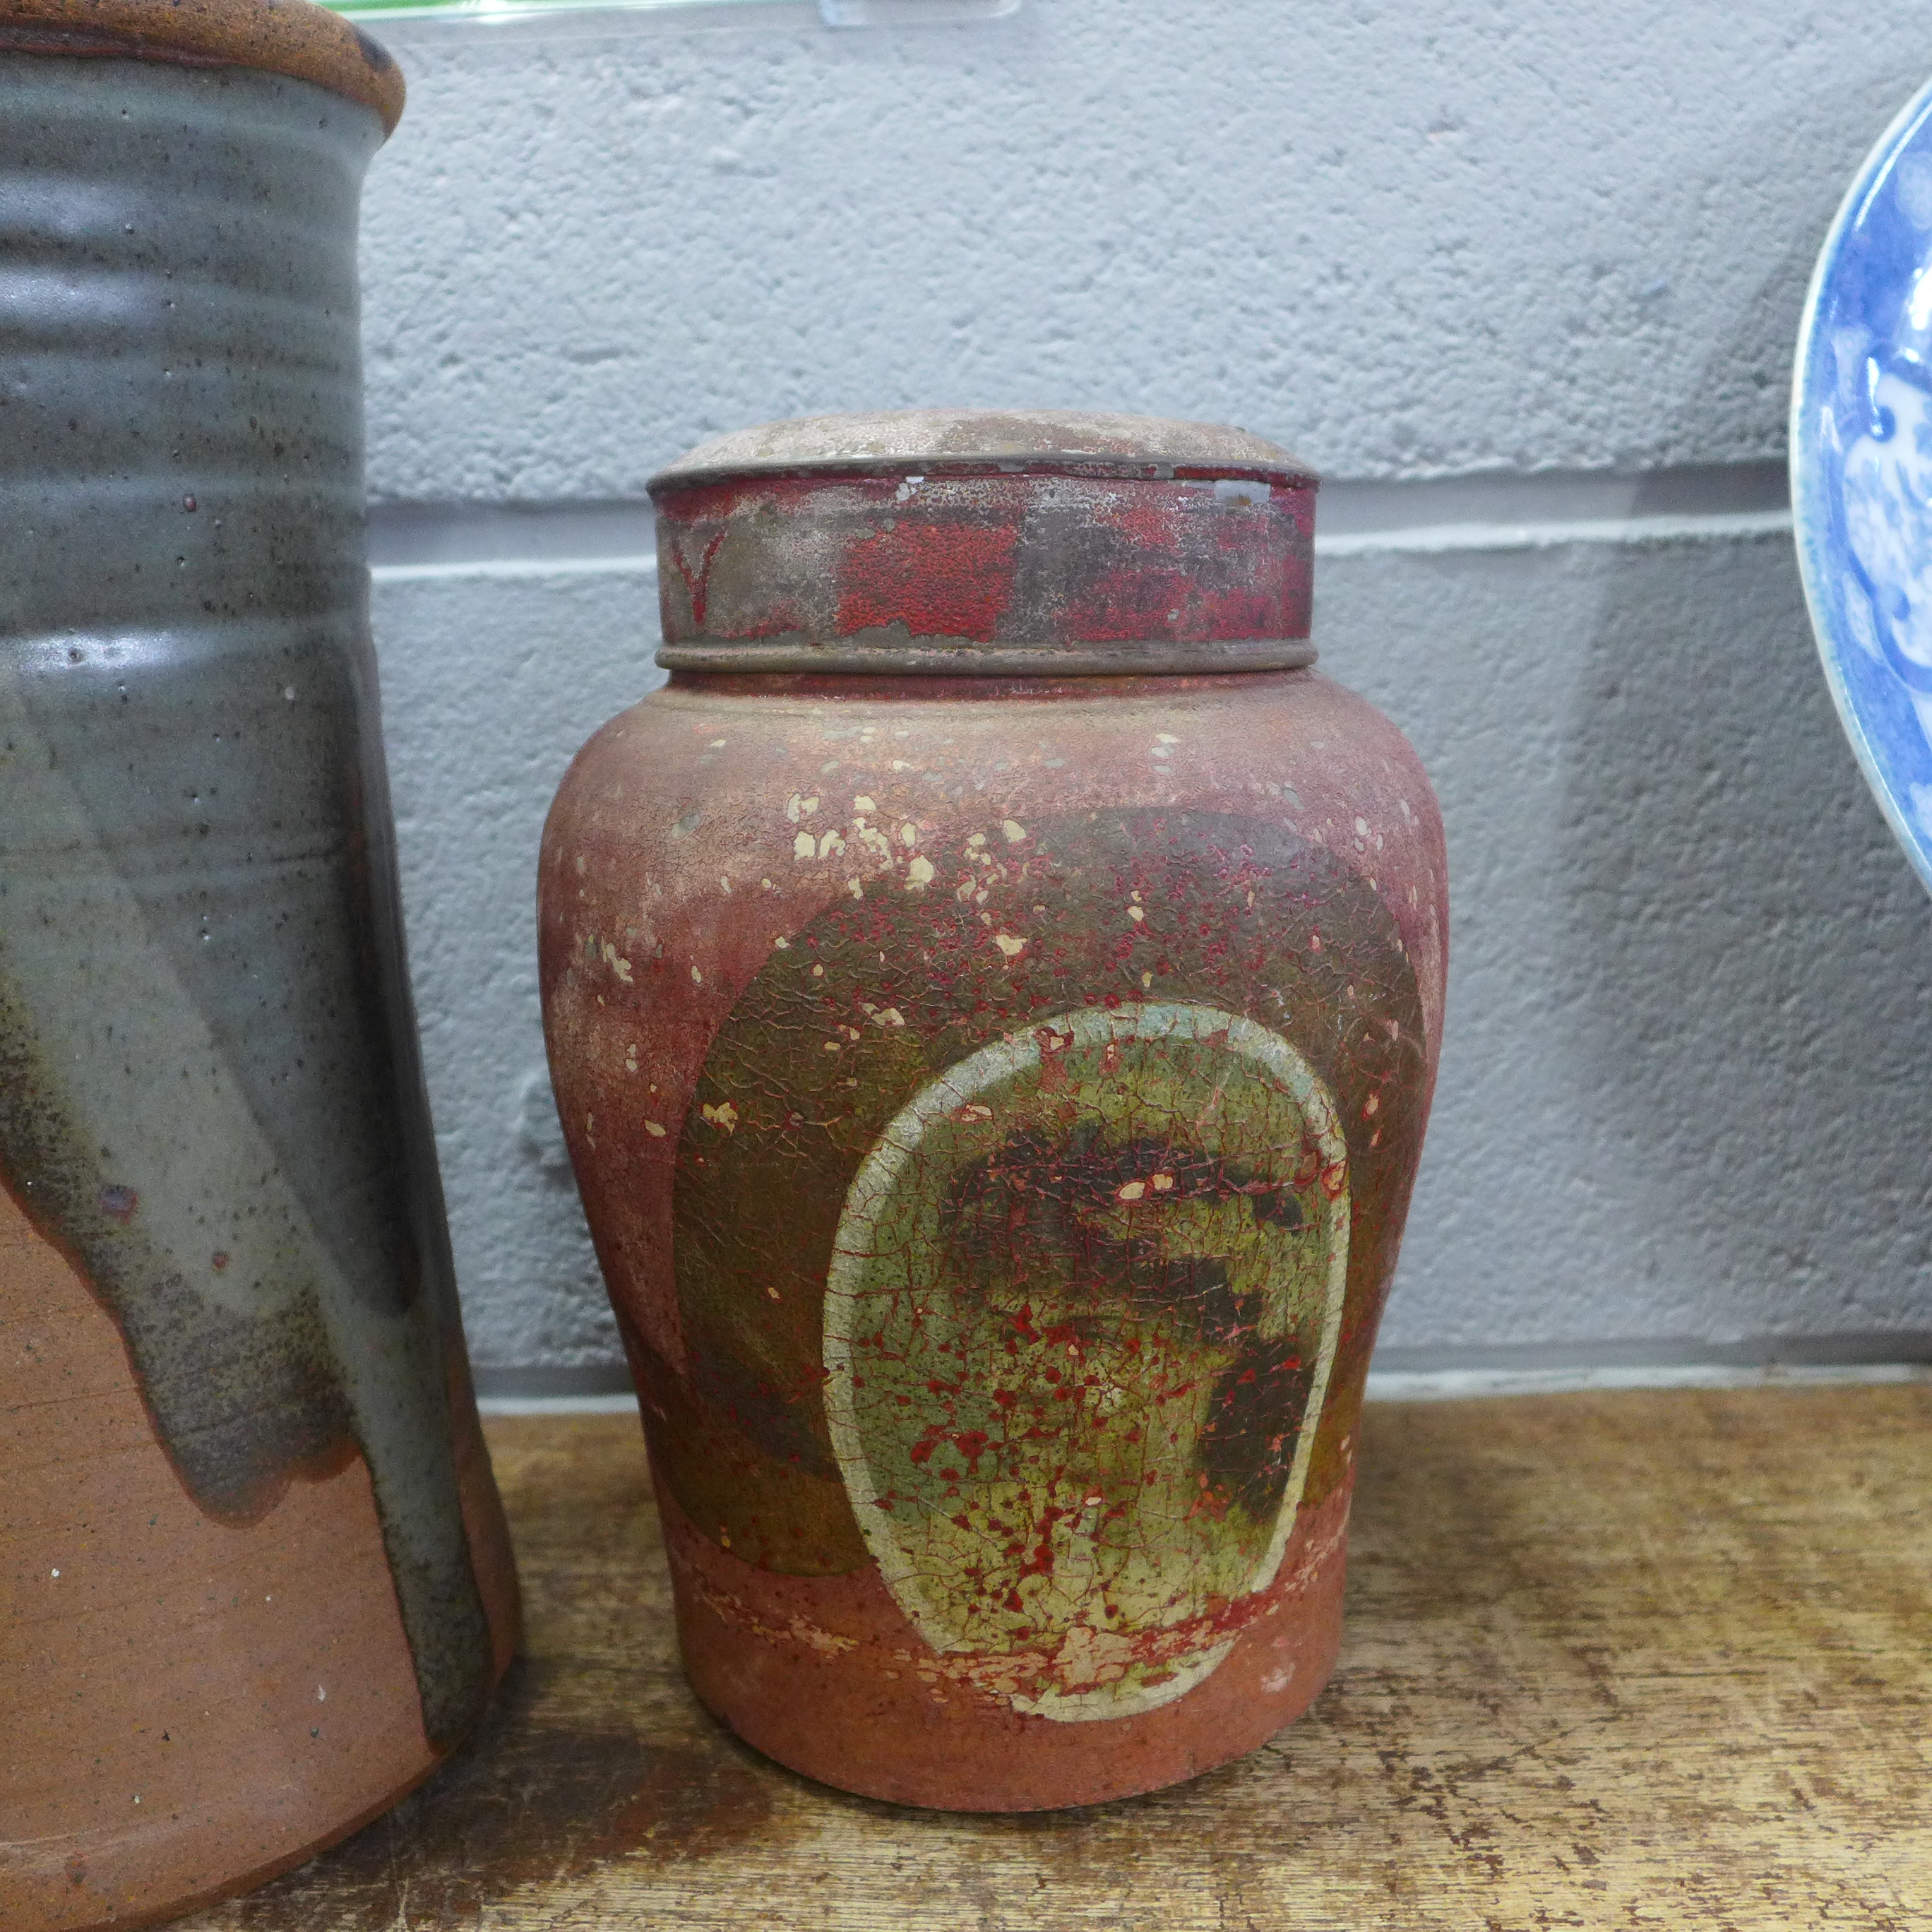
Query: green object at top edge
{"type": "Point", "coordinates": [490, 9]}
{"type": "Point", "coordinates": [835, 12]}
{"type": "Point", "coordinates": [487, 10]}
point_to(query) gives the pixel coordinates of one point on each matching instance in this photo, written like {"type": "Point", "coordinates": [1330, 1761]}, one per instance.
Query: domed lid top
{"type": "Point", "coordinates": [934, 441]}
{"type": "Point", "coordinates": [290, 36]}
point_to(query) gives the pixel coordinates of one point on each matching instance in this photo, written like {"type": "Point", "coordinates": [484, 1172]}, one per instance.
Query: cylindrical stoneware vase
{"type": "Point", "coordinates": [253, 1577]}
{"type": "Point", "coordinates": [993, 993]}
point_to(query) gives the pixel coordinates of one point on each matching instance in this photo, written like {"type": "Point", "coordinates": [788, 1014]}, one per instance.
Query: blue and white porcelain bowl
{"type": "Point", "coordinates": [1862, 470]}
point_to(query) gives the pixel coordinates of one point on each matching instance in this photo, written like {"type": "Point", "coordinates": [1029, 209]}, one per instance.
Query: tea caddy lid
{"type": "Point", "coordinates": [986, 542]}
{"type": "Point", "coordinates": [294, 37]}
{"type": "Point", "coordinates": [941, 441]}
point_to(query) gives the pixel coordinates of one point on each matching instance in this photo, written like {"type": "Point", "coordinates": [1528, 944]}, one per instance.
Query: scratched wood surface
{"type": "Point", "coordinates": [1630, 1660]}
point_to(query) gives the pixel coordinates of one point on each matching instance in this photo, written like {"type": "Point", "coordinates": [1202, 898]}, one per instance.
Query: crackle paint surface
{"type": "Point", "coordinates": [996, 1113]}
{"type": "Point", "coordinates": [1083, 1295]}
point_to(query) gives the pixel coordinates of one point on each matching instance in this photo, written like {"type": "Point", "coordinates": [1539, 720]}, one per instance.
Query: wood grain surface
{"type": "Point", "coordinates": [1629, 1660]}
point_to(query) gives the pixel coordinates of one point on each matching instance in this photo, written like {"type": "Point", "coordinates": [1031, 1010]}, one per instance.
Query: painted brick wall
{"type": "Point", "coordinates": [1522, 280]}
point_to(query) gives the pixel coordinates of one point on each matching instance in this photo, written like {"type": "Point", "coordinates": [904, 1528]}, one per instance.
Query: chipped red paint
{"type": "Point", "coordinates": [985, 559]}
{"type": "Point", "coordinates": [696, 578]}
{"type": "Point", "coordinates": [827, 1671]}
{"type": "Point", "coordinates": [996, 1101]}
{"type": "Point", "coordinates": [948, 580]}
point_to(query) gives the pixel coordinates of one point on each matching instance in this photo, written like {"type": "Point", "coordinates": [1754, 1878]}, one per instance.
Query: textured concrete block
{"type": "Point", "coordinates": [490, 682]}
{"type": "Point", "coordinates": [1682, 1096]}
{"type": "Point", "coordinates": [1405, 239]}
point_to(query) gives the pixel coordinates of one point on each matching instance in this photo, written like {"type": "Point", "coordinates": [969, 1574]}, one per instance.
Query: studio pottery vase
{"type": "Point", "coordinates": [994, 993]}
{"type": "Point", "coordinates": [254, 1578]}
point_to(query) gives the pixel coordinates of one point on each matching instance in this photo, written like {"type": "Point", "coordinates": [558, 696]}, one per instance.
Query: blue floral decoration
{"type": "Point", "coordinates": [1862, 470]}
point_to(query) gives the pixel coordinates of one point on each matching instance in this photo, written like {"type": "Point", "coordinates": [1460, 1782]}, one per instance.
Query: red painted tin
{"type": "Point", "coordinates": [993, 993]}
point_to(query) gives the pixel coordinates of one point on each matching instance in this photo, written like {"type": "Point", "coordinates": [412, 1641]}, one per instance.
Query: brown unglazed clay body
{"type": "Point", "coordinates": [190, 1703]}
{"type": "Point", "coordinates": [254, 1578]}
{"type": "Point", "coordinates": [996, 1100]}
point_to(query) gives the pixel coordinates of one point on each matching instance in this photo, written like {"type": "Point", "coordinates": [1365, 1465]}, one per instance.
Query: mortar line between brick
{"type": "Point", "coordinates": [553, 557]}
{"type": "Point", "coordinates": [1443, 1385]}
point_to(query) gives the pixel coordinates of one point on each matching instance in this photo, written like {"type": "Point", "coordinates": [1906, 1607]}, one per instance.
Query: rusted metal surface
{"type": "Point", "coordinates": [996, 1101]}
{"type": "Point", "coordinates": [962, 543]}
{"type": "Point", "coordinates": [970, 442]}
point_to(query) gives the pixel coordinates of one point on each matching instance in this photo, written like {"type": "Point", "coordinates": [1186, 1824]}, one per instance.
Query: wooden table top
{"type": "Point", "coordinates": [1632, 1660]}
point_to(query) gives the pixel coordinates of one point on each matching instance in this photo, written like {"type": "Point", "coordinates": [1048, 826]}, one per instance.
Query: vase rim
{"type": "Point", "coordinates": [295, 37]}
